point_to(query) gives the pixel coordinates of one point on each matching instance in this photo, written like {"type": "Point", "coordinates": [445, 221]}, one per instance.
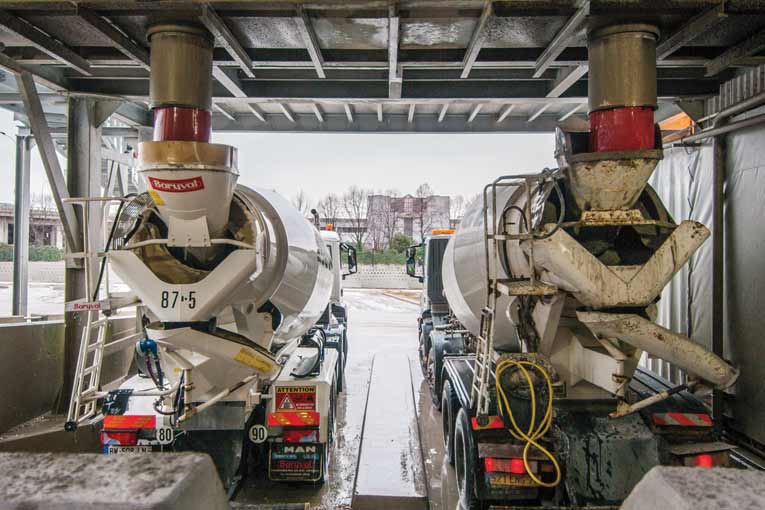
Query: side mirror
{"type": "Point", "coordinates": [350, 253]}
{"type": "Point", "coordinates": [411, 262]}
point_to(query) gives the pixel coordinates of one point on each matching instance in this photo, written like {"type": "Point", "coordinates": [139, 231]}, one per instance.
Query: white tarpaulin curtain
{"type": "Point", "coordinates": [684, 182]}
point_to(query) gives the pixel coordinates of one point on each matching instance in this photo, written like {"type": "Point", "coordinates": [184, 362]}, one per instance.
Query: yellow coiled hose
{"type": "Point", "coordinates": [535, 431]}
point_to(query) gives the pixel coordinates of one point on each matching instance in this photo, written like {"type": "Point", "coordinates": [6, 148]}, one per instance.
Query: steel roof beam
{"type": "Point", "coordinates": [474, 112]}
{"type": "Point", "coordinates": [310, 40]}
{"type": "Point", "coordinates": [534, 116]}
{"type": "Point", "coordinates": [49, 78]}
{"type": "Point", "coordinates": [220, 30]}
{"type": "Point", "coordinates": [317, 111]}
{"type": "Point", "coordinates": [287, 112]}
{"type": "Point", "coordinates": [256, 112]}
{"type": "Point", "coordinates": [505, 113]}
{"type": "Point", "coordinates": [122, 42]}
{"type": "Point", "coordinates": [566, 79]}
{"type": "Point", "coordinates": [394, 123]}
{"type": "Point", "coordinates": [476, 40]}
{"type": "Point", "coordinates": [571, 112]}
{"type": "Point", "coordinates": [690, 31]}
{"type": "Point", "coordinates": [395, 78]}
{"type": "Point", "coordinates": [561, 39]}
{"type": "Point", "coordinates": [443, 111]}
{"type": "Point", "coordinates": [348, 111]}
{"type": "Point", "coordinates": [223, 111]}
{"type": "Point", "coordinates": [745, 48]}
{"type": "Point", "coordinates": [133, 114]}
{"type": "Point", "coordinates": [44, 42]}
{"type": "Point", "coordinates": [230, 81]}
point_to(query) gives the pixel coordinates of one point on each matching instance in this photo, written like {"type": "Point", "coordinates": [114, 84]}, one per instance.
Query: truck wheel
{"type": "Point", "coordinates": [345, 346]}
{"type": "Point", "coordinates": [465, 457]}
{"type": "Point", "coordinates": [431, 377]}
{"type": "Point", "coordinates": [424, 348]}
{"type": "Point", "coordinates": [340, 371]}
{"type": "Point", "coordinates": [450, 404]}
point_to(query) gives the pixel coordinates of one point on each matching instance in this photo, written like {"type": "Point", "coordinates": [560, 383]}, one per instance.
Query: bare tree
{"type": "Point", "coordinates": [355, 207]}
{"type": "Point", "coordinates": [456, 207]}
{"type": "Point", "coordinates": [390, 215]}
{"type": "Point", "coordinates": [422, 211]}
{"type": "Point", "coordinates": [300, 201]}
{"type": "Point", "coordinates": [43, 201]}
{"type": "Point", "coordinates": [330, 208]}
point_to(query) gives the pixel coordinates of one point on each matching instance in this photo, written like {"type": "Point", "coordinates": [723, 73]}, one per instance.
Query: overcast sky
{"type": "Point", "coordinates": [319, 164]}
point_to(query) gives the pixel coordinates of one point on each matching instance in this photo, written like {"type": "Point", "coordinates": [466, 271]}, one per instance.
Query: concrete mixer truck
{"type": "Point", "coordinates": [242, 334]}
{"type": "Point", "coordinates": [551, 281]}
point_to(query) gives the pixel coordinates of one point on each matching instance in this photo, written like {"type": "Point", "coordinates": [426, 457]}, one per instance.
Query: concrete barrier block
{"type": "Point", "coordinates": [686, 488]}
{"type": "Point", "coordinates": [165, 481]}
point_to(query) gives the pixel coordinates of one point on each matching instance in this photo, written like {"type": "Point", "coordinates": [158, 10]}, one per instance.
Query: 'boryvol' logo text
{"type": "Point", "coordinates": [177, 186]}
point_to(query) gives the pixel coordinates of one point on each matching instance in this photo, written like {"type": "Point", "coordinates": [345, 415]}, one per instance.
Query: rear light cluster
{"type": "Point", "coordinates": [513, 466]}
{"type": "Point", "coordinates": [119, 437]}
{"type": "Point", "coordinates": [704, 460]}
{"type": "Point", "coordinates": [293, 419]}
{"type": "Point", "coordinates": [301, 436]}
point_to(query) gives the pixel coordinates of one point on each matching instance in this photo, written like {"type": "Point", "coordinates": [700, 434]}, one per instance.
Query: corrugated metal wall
{"type": "Point", "coordinates": [684, 181]}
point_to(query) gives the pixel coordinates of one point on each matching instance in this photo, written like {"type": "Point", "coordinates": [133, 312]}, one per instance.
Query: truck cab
{"type": "Point", "coordinates": [424, 262]}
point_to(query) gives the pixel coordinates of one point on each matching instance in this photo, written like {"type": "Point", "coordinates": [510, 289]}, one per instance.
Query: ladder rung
{"type": "Point", "coordinates": [95, 346]}
{"type": "Point", "coordinates": [88, 392]}
{"type": "Point", "coordinates": [89, 370]}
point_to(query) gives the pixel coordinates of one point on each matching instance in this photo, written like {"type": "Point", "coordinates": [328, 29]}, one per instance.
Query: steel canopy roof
{"type": "Point", "coordinates": [370, 66]}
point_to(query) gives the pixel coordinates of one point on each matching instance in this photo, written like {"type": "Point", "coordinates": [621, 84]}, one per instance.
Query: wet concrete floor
{"type": "Point", "coordinates": [378, 325]}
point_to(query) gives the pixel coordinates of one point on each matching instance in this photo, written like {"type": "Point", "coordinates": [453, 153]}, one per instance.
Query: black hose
{"type": "Point", "coordinates": [106, 250]}
{"type": "Point", "coordinates": [561, 215]}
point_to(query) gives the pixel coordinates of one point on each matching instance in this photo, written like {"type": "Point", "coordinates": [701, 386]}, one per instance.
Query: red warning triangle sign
{"type": "Point", "coordinates": [287, 403]}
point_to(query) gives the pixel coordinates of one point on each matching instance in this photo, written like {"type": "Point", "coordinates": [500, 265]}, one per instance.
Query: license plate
{"type": "Point", "coordinates": [510, 480]}
{"type": "Point", "coordinates": [113, 450]}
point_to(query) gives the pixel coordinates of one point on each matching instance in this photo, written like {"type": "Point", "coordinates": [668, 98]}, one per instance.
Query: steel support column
{"type": "Point", "coordinates": [83, 180]}
{"type": "Point", "coordinates": [21, 215]}
{"type": "Point", "coordinates": [42, 134]}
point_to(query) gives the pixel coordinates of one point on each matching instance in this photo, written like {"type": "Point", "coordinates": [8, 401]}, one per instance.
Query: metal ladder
{"type": "Point", "coordinates": [483, 357]}
{"type": "Point", "coordinates": [479, 394]}
{"type": "Point", "coordinates": [87, 376]}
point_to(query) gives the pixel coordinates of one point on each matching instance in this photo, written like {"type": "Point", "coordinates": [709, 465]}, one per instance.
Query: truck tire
{"type": "Point", "coordinates": [424, 349]}
{"type": "Point", "coordinates": [465, 458]}
{"type": "Point", "coordinates": [450, 405]}
{"type": "Point", "coordinates": [430, 376]}
{"type": "Point", "coordinates": [340, 371]}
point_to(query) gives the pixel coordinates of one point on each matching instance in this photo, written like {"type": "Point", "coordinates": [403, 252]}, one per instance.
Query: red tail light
{"type": "Point", "coordinates": [301, 436]}
{"type": "Point", "coordinates": [294, 419]}
{"type": "Point", "coordinates": [514, 466]}
{"type": "Point", "coordinates": [119, 437]}
{"type": "Point", "coordinates": [705, 460]}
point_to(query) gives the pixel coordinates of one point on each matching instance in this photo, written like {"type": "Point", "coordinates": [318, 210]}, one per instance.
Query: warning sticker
{"type": "Point", "coordinates": [253, 360]}
{"type": "Point", "coordinates": [295, 398]}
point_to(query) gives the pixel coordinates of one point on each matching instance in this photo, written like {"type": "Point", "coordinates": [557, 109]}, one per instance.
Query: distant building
{"type": "Point", "coordinates": [44, 226]}
{"type": "Point", "coordinates": [409, 215]}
